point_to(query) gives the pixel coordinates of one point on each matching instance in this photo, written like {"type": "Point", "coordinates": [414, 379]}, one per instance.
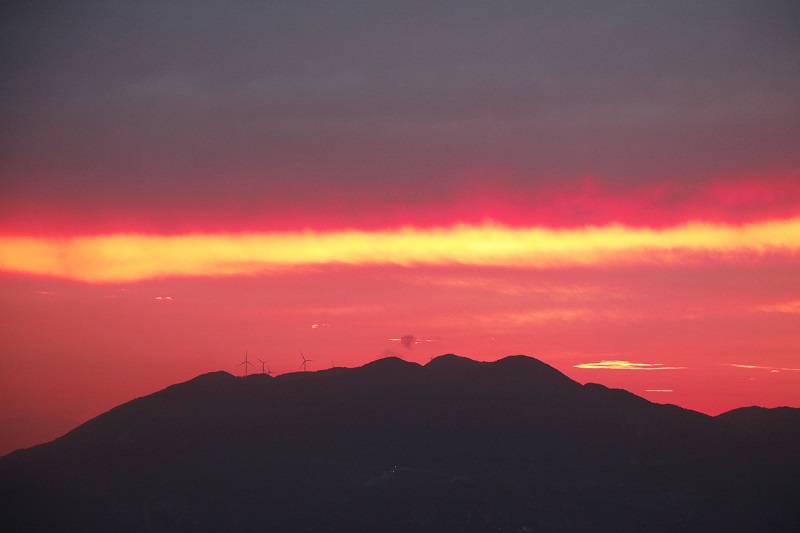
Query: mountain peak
{"type": "Point", "coordinates": [219, 376]}
{"type": "Point", "coordinates": [451, 361]}
{"type": "Point", "coordinates": [523, 361]}
{"type": "Point", "coordinates": [391, 362]}
{"type": "Point", "coordinates": [531, 369]}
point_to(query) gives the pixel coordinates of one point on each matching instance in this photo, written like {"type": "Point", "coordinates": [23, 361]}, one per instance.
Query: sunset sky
{"type": "Point", "coordinates": [611, 187]}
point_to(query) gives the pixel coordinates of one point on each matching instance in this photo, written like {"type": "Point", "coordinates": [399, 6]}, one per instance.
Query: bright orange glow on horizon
{"type": "Point", "coordinates": [131, 257]}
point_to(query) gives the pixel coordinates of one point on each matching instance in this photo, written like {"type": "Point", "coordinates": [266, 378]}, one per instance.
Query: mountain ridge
{"type": "Point", "coordinates": [394, 435]}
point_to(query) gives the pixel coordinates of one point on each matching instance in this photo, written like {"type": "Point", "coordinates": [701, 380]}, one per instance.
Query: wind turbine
{"type": "Point", "coordinates": [305, 361]}
{"type": "Point", "coordinates": [245, 363]}
{"type": "Point", "coordinates": [262, 366]}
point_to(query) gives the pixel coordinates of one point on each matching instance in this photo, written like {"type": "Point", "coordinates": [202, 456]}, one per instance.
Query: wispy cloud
{"type": "Point", "coordinates": [331, 310]}
{"type": "Point", "coordinates": [549, 314]}
{"type": "Point", "coordinates": [760, 367]}
{"type": "Point", "coordinates": [504, 285]}
{"type": "Point", "coordinates": [128, 257]}
{"type": "Point", "coordinates": [627, 365]}
{"type": "Point", "coordinates": [541, 315]}
{"type": "Point", "coordinates": [408, 341]}
{"type": "Point", "coordinates": [783, 307]}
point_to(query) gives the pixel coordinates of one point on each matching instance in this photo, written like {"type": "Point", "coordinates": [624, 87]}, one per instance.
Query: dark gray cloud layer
{"type": "Point", "coordinates": [269, 101]}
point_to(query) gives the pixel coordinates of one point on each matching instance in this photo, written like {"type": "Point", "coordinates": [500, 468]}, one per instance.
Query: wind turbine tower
{"type": "Point", "coordinates": [246, 362]}
{"type": "Point", "coordinates": [305, 362]}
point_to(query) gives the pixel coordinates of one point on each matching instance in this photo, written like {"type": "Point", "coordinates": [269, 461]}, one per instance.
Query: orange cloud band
{"type": "Point", "coordinates": [131, 256]}
{"type": "Point", "coordinates": [627, 365]}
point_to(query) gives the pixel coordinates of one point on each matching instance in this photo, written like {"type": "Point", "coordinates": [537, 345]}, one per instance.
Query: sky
{"type": "Point", "coordinates": [611, 187]}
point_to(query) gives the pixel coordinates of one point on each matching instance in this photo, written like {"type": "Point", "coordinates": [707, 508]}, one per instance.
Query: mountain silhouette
{"type": "Point", "coordinates": [454, 445]}
{"type": "Point", "coordinates": [25, 429]}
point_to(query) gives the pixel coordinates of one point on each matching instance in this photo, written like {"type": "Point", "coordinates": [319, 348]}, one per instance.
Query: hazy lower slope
{"type": "Point", "coordinates": [28, 429]}
{"type": "Point", "coordinates": [455, 445]}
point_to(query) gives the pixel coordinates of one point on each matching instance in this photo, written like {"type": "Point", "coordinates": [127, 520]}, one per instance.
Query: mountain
{"type": "Point", "coordinates": [455, 445]}
{"type": "Point", "coordinates": [23, 430]}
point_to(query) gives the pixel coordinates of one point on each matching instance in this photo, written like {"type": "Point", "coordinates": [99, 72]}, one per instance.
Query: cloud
{"type": "Point", "coordinates": [759, 367]}
{"type": "Point", "coordinates": [130, 257]}
{"type": "Point", "coordinates": [544, 315]}
{"type": "Point", "coordinates": [408, 341]}
{"type": "Point", "coordinates": [627, 365]}
{"type": "Point", "coordinates": [569, 292]}
{"type": "Point", "coordinates": [645, 94]}
{"type": "Point", "coordinates": [784, 307]}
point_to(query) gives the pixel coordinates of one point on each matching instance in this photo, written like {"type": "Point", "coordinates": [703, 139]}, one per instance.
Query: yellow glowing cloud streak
{"type": "Point", "coordinates": [770, 368]}
{"type": "Point", "coordinates": [627, 365]}
{"type": "Point", "coordinates": [129, 257]}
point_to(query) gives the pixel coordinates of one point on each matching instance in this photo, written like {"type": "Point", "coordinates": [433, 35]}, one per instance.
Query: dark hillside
{"type": "Point", "coordinates": [455, 445]}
